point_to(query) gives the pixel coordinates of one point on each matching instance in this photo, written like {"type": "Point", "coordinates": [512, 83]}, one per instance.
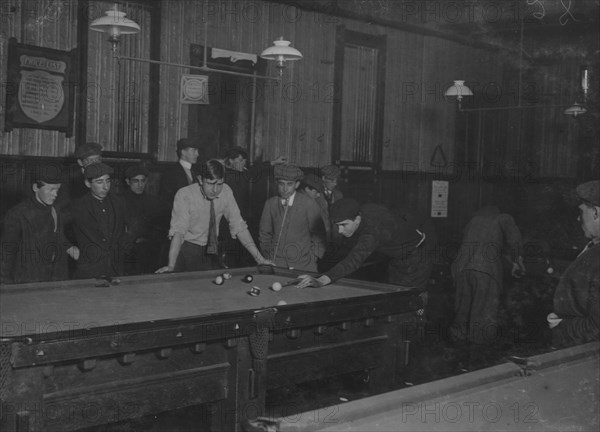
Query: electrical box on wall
{"type": "Point", "coordinates": [439, 199]}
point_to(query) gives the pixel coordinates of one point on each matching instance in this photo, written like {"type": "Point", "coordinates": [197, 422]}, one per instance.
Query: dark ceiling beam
{"type": "Point", "coordinates": [332, 9]}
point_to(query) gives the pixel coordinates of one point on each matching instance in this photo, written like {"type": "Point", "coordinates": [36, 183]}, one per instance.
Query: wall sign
{"type": "Point", "coordinates": [194, 89]}
{"type": "Point", "coordinates": [439, 199]}
{"type": "Point", "coordinates": [39, 89]}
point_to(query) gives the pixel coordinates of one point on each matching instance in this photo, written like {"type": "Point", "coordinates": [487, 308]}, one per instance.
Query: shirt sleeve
{"type": "Point", "coordinates": [180, 216]}
{"type": "Point", "coordinates": [366, 245]}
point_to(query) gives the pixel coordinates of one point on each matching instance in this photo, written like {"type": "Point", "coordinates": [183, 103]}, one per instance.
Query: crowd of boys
{"type": "Point", "coordinates": [204, 208]}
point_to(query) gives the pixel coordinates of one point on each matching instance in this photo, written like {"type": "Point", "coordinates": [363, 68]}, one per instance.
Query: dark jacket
{"type": "Point", "coordinates": [485, 237]}
{"type": "Point", "coordinates": [401, 236]}
{"type": "Point", "coordinates": [102, 253]}
{"type": "Point", "coordinates": [32, 249]}
{"type": "Point", "coordinates": [577, 300]}
{"type": "Point", "coordinates": [170, 182]}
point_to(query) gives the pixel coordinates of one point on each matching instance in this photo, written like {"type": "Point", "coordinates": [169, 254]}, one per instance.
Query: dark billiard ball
{"type": "Point", "coordinates": [248, 278]}
{"type": "Point", "coordinates": [219, 280]}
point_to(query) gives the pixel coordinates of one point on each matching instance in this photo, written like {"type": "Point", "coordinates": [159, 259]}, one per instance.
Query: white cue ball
{"type": "Point", "coordinates": [219, 280]}
{"type": "Point", "coordinates": [550, 270]}
{"type": "Point", "coordinates": [276, 286]}
{"type": "Point", "coordinates": [281, 303]}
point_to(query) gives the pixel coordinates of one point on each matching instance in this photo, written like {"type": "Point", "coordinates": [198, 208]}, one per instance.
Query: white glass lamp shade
{"type": "Point", "coordinates": [281, 51]}
{"type": "Point", "coordinates": [458, 90]}
{"type": "Point", "coordinates": [115, 24]}
{"type": "Point", "coordinates": [575, 110]}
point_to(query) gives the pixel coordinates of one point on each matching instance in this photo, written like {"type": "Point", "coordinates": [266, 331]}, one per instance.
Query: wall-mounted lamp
{"type": "Point", "coordinates": [577, 109]}
{"type": "Point", "coordinates": [458, 90]}
{"type": "Point", "coordinates": [281, 51]}
{"type": "Point", "coordinates": [115, 24]}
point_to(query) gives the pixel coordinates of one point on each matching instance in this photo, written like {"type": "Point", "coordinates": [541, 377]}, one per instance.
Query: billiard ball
{"type": "Point", "coordinates": [226, 276]}
{"type": "Point", "coordinates": [219, 280]}
{"type": "Point", "coordinates": [281, 303]}
{"type": "Point", "coordinates": [248, 278]}
{"type": "Point", "coordinates": [254, 291]}
{"type": "Point", "coordinates": [276, 286]}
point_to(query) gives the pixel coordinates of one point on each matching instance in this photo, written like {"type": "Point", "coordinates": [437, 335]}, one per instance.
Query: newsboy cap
{"type": "Point", "coordinates": [97, 170]}
{"type": "Point", "coordinates": [288, 172]}
{"type": "Point", "coordinates": [135, 170]}
{"type": "Point", "coordinates": [346, 208]}
{"type": "Point", "coordinates": [184, 143]}
{"type": "Point", "coordinates": [87, 150]}
{"type": "Point", "coordinates": [331, 171]}
{"type": "Point", "coordinates": [589, 192]}
{"type": "Point", "coordinates": [314, 182]}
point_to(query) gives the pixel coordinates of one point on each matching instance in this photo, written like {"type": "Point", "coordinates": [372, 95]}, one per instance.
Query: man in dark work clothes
{"type": "Point", "coordinates": [372, 228]}
{"type": "Point", "coordinates": [478, 273]}
{"type": "Point", "coordinates": [33, 245]}
{"type": "Point", "coordinates": [102, 230]}
{"type": "Point", "coordinates": [576, 316]}
{"type": "Point", "coordinates": [188, 151]}
{"type": "Point", "coordinates": [177, 177]}
{"type": "Point", "coordinates": [144, 210]}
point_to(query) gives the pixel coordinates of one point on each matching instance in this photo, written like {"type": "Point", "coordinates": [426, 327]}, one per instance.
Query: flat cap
{"type": "Point", "coordinates": [97, 170]}
{"type": "Point", "coordinates": [48, 173]}
{"type": "Point", "coordinates": [314, 182]}
{"type": "Point", "coordinates": [331, 171]}
{"type": "Point", "coordinates": [87, 150]}
{"type": "Point", "coordinates": [346, 208]}
{"type": "Point", "coordinates": [136, 170]}
{"type": "Point", "coordinates": [184, 143]}
{"type": "Point", "coordinates": [288, 172]}
{"type": "Point", "coordinates": [589, 192]}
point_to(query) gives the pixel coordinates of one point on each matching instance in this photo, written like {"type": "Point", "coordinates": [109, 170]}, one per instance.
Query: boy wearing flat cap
{"type": "Point", "coordinates": [291, 231]}
{"type": "Point", "coordinates": [576, 316]}
{"type": "Point", "coordinates": [102, 230]}
{"type": "Point", "coordinates": [373, 228]}
{"type": "Point", "coordinates": [330, 175]}
{"type": "Point", "coordinates": [34, 248]}
{"type": "Point", "coordinates": [145, 211]}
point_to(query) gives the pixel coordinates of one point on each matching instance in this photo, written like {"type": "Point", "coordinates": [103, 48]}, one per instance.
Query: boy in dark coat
{"type": "Point", "coordinates": [576, 316]}
{"type": "Point", "coordinates": [34, 247]}
{"type": "Point", "coordinates": [103, 234]}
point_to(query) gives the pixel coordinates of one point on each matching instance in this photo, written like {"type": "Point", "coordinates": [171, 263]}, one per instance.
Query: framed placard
{"type": "Point", "coordinates": [39, 88]}
{"type": "Point", "coordinates": [194, 89]}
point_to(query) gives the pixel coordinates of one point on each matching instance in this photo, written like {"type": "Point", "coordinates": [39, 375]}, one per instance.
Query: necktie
{"type": "Point", "coordinates": [212, 243]}
{"type": "Point", "coordinates": [55, 217]}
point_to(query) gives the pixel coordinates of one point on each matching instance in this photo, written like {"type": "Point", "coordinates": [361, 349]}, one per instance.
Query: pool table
{"type": "Point", "coordinates": [556, 391]}
{"type": "Point", "coordinates": [81, 353]}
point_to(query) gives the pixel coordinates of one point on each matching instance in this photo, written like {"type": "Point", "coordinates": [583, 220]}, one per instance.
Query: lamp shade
{"type": "Point", "coordinates": [281, 51]}
{"type": "Point", "coordinates": [114, 23]}
{"type": "Point", "coordinates": [458, 90]}
{"type": "Point", "coordinates": [575, 110]}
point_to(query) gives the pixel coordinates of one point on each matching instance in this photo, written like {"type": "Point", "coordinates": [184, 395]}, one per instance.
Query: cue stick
{"type": "Point", "coordinates": [280, 231]}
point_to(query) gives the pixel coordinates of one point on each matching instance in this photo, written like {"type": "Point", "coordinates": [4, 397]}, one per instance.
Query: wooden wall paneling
{"type": "Point", "coordinates": [404, 96]}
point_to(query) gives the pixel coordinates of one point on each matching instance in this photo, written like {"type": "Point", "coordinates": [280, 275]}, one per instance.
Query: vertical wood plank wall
{"type": "Point", "coordinates": [417, 118]}
{"type": "Point", "coordinates": [296, 120]}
